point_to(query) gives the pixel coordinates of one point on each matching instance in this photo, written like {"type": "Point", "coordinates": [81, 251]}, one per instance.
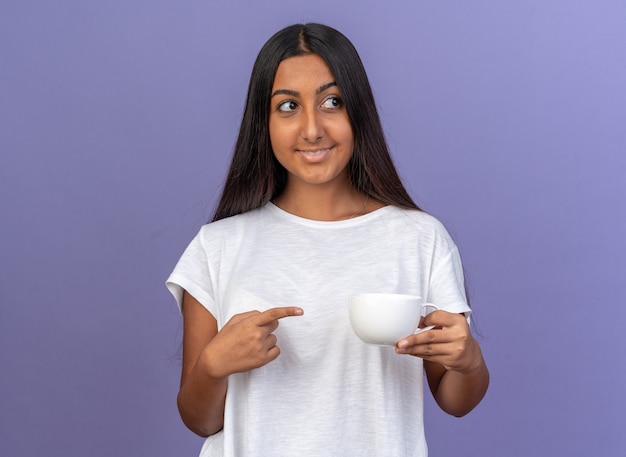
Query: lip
{"type": "Point", "coordinates": [314, 155]}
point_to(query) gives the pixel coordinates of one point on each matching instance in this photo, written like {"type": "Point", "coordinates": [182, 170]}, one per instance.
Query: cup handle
{"type": "Point", "coordinates": [424, 313]}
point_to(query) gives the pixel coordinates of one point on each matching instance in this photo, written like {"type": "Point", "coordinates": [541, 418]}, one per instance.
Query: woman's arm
{"type": "Point", "coordinates": [456, 371]}
{"type": "Point", "coordinates": [209, 357]}
{"type": "Point", "coordinates": [202, 392]}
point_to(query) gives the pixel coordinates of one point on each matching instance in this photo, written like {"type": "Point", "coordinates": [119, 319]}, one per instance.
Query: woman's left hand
{"type": "Point", "coordinates": [450, 343]}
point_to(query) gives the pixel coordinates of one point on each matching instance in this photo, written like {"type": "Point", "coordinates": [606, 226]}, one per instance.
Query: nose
{"type": "Point", "coordinates": [312, 126]}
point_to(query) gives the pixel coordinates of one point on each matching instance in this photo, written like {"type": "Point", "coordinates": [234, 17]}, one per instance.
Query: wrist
{"type": "Point", "coordinates": [213, 367]}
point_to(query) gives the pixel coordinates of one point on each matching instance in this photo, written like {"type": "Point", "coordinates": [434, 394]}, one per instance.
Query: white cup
{"type": "Point", "coordinates": [384, 319]}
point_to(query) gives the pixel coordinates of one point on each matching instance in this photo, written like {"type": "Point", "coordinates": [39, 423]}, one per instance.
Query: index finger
{"type": "Point", "coordinates": [273, 314]}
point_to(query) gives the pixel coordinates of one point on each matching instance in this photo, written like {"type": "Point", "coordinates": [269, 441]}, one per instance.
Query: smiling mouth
{"type": "Point", "coordinates": [314, 152]}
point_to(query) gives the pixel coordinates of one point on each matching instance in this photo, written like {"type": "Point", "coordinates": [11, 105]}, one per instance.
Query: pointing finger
{"type": "Point", "coordinates": [273, 314]}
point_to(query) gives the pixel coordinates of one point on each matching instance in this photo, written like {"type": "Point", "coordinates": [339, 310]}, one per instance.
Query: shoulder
{"type": "Point", "coordinates": [428, 229]}
{"type": "Point", "coordinates": [420, 219]}
{"type": "Point", "coordinates": [228, 224]}
{"type": "Point", "coordinates": [232, 228]}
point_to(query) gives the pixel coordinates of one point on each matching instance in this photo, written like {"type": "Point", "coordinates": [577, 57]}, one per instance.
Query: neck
{"type": "Point", "coordinates": [323, 203]}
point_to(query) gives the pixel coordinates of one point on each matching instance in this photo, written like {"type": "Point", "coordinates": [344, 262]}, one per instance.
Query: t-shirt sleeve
{"type": "Point", "coordinates": [447, 286]}
{"type": "Point", "coordinates": [192, 274]}
{"type": "Point", "coordinates": [447, 283]}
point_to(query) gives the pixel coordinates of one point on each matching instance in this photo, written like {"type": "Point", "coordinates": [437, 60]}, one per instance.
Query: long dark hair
{"type": "Point", "coordinates": [255, 177]}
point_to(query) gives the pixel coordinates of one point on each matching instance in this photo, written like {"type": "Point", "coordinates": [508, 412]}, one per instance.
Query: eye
{"type": "Point", "coordinates": [288, 106]}
{"type": "Point", "coordinates": [332, 103]}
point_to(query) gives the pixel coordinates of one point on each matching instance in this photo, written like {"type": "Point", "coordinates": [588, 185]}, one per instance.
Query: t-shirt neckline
{"type": "Point", "coordinates": [354, 221]}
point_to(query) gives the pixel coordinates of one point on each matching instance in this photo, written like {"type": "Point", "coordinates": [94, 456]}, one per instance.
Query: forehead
{"type": "Point", "coordinates": [304, 70]}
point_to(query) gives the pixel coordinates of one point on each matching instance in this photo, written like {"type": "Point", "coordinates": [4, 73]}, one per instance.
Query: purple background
{"type": "Point", "coordinates": [507, 120]}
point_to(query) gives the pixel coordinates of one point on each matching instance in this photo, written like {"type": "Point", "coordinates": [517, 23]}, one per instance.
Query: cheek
{"type": "Point", "coordinates": [344, 132]}
{"type": "Point", "coordinates": [347, 137]}
{"type": "Point", "coordinates": [281, 135]}
{"type": "Point", "coordinates": [275, 137]}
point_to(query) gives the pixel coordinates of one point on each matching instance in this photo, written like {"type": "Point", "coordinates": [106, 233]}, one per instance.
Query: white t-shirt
{"type": "Point", "coordinates": [328, 393]}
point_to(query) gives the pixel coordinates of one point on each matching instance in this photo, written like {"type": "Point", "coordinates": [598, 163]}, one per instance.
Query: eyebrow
{"type": "Point", "coordinates": [295, 93]}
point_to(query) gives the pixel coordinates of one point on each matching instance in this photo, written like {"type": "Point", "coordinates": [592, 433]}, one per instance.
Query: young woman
{"type": "Point", "coordinates": [312, 212]}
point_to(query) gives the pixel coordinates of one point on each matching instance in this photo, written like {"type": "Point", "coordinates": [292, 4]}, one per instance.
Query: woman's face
{"type": "Point", "coordinates": [309, 127]}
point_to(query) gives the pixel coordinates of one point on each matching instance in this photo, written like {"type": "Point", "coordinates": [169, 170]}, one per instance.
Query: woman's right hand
{"type": "Point", "coordinates": [246, 342]}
